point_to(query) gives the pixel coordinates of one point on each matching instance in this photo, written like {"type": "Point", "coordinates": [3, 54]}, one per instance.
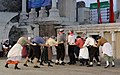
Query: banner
{"type": "Point", "coordinates": [38, 3]}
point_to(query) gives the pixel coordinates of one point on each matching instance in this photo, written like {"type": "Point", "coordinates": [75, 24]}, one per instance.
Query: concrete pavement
{"type": "Point", "coordinates": [59, 70]}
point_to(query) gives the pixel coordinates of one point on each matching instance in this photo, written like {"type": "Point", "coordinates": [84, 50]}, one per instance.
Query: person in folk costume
{"type": "Point", "coordinates": [51, 42]}
{"type": "Point", "coordinates": [37, 49]}
{"type": "Point", "coordinates": [30, 52]}
{"type": "Point", "coordinates": [15, 53]}
{"type": "Point", "coordinates": [90, 43]}
{"type": "Point", "coordinates": [107, 51]}
{"type": "Point", "coordinates": [83, 54]}
{"type": "Point", "coordinates": [71, 47]}
{"type": "Point", "coordinates": [61, 39]}
{"type": "Point", "coordinates": [77, 49]}
{"type": "Point", "coordinates": [6, 47]}
{"type": "Point", "coordinates": [44, 53]}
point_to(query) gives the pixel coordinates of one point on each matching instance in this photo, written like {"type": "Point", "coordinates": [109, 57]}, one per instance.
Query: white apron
{"type": "Point", "coordinates": [83, 54]}
{"type": "Point", "coordinates": [15, 53]}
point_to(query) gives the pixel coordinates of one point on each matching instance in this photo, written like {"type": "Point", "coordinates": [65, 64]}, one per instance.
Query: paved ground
{"type": "Point", "coordinates": [59, 70]}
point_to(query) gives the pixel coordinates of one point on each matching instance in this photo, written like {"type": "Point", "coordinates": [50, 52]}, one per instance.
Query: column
{"type": "Point", "coordinates": [42, 13]}
{"type": "Point", "coordinates": [23, 14]}
{"type": "Point", "coordinates": [24, 6]}
{"type": "Point", "coordinates": [32, 15]}
{"type": "Point", "coordinates": [53, 3]}
{"type": "Point", "coordinates": [54, 13]}
{"type": "Point", "coordinates": [113, 42]}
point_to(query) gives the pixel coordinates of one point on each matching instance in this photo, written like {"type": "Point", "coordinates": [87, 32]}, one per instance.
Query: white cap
{"type": "Point", "coordinates": [61, 30]}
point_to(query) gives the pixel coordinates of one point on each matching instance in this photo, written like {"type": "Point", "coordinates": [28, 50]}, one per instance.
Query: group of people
{"type": "Point", "coordinates": [38, 48]}
{"type": "Point", "coordinates": [89, 50]}
{"type": "Point", "coordinates": [85, 49]}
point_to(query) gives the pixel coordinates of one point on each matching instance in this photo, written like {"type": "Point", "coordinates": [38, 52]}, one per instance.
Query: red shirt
{"type": "Point", "coordinates": [80, 42]}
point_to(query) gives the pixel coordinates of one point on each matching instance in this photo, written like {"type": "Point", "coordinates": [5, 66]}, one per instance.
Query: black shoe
{"type": "Point", "coordinates": [17, 68]}
{"type": "Point", "coordinates": [62, 63]}
{"type": "Point", "coordinates": [57, 63]}
{"type": "Point", "coordinates": [6, 66]}
{"type": "Point", "coordinates": [50, 65]}
{"type": "Point", "coordinates": [72, 63]}
{"type": "Point", "coordinates": [106, 66]}
{"type": "Point", "coordinates": [25, 65]}
{"type": "Point", "coordinates": [28, 60]}
{"type": "Point", "coordinates": [89, 65]}
{"type": "Point", "coordinates": [113, 65]}
{"type": "Point", "coordinates": [36, 67]}
{"type": "Point", "coordinates": [69, 63]}
{"type": "Point", "coordinates": [98, 65]}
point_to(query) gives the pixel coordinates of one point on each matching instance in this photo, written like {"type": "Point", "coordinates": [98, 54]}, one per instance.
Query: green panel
{"type": "Point", "coordinates": [102, 5]}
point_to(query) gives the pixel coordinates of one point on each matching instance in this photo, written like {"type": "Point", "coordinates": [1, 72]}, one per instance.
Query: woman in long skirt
{"type": "Point", "coordinates": [15, 53]}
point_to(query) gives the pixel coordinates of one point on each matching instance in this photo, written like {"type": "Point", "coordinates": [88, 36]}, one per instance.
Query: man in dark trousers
{"type": "Point", "coordinates": [91, 44]}
{"type": "Point", "coordinates": [71, 47]}
{"type": "Point", "coordinates": [61, 39]}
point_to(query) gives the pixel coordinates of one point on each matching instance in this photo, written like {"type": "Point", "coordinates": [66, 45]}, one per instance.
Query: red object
{"type": "Point", "coordinates": [80, 42]}
{"type": "Point", "coordinates": [99, 14]}
{"type": "Point", "coordinates": [12, 62]}
{"type": "Point", "coordinates": [111, 12]}
{"type": "Point", "coordinates": [24, 52]}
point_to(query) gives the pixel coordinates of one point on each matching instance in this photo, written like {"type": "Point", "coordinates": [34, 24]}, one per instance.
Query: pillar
{"type": "Point", "coordinates": [54, 4]}
{"type": "Point", "coordinates": [42, 14]}
{"type": "Point", "coordinates": [23, 14]}
{"type": "Point", "coordinates": [54, 13]}
{"type": "Point", "coordinates": [32, 15]}
{"type": "Point", "coordinates": [23, 6]}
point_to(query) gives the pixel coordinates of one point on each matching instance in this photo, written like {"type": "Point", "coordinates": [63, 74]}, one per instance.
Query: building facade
{"type": "Point", "coordinates": [63, 16]}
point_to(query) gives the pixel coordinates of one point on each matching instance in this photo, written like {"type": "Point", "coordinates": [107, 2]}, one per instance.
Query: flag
{"type": "Point", "coordinates": [38, 3]}
{"type": "Point", "coordinates": [35, 3]}
{"type": "Point", "coordinates": [99, 14]}
{"type": "Point", "coordinates": [111, 12]}
{"type": "Point", "coordinates": [46, 2]}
